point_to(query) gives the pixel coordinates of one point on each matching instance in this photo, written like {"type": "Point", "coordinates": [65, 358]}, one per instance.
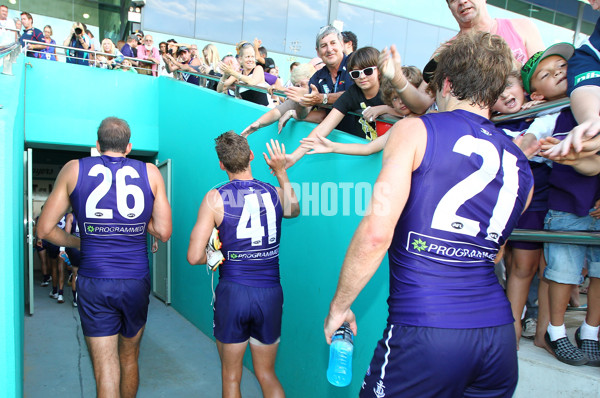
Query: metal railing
{"type": "Point", "coordinates": [535, 111]}
{"type": "Point", "coordinates": [92, 61]}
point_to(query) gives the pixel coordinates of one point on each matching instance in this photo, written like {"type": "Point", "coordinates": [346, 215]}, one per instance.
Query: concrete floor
{"type": "Point", "coordinates": [178, 361]}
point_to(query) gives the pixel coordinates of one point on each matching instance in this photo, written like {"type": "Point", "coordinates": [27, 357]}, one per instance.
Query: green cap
{"type": "Point", "coordinates": [564, 50]}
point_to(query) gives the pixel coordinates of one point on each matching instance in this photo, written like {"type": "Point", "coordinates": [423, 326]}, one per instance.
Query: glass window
{"type": "Point", "coordinates": [359, 21]}
{"type": "Point", "coordinates": [427, 37]}
{"type": "Point", "coordinates": [170, 16]}
{"type": "Point", "coordinates": [388, 30]}
{"type": "Point", "coordinates": [266, 20]}
{"type": "Point", "coordinates": [304, 19]}
{"type": "Point", "coordinates": [219, 21]}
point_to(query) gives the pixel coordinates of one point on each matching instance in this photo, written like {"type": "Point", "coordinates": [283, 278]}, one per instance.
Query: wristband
{"type": "Point", "coordinates": [399, 91]}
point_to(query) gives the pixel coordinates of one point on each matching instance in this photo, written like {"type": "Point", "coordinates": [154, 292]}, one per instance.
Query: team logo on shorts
{"type": "Point", "coordinates": [379, 390]}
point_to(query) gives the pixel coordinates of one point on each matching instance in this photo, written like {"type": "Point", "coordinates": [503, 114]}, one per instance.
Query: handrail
{"type": "Point", "coordinates": [537, 110]}
{"type": "Point", "coordinates": [567, 237]}
{"type": "Point", "coordinates": [11, 29]}
{"type": "Point", "coordinates": [82, 50]}
{"type": "Point", "coordinates": [9, 48]}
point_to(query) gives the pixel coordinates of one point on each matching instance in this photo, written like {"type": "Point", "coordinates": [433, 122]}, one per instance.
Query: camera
{"type": "Point", "coordinates": [78, 31]}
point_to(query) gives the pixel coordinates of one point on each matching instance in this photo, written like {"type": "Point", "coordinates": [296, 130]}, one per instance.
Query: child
{"type": "Point", "coordinates": [362, 94]}
{"type": "Point", "coordinates": [390, 97]}
{"type": "Point", "coordinates": [570, 199]}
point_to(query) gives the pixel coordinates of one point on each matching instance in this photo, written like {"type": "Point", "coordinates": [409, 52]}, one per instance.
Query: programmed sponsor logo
{"type": "Point", "coordinates": [448, 250]}
{"type": "Point", "coordinates": [99, 229]}
{"type": "Point", "coordinates": [253, 255]}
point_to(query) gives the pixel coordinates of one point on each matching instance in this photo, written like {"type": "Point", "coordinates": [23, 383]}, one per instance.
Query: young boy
{"type": "Point", "coordinates": [571, 197]}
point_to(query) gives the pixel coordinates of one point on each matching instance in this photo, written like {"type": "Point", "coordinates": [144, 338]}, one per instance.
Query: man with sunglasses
{"type": "Point", "coordinates": [328, 83]}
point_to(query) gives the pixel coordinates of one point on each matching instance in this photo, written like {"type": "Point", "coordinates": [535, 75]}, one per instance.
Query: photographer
{"type": "Point", "coordinates": [77, 39]}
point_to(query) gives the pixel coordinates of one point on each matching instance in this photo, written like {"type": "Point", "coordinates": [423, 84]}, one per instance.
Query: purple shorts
{"type": "Point", "coordinates": [242, 312]}
{"type": "Point", "coordinates": [112, 306]}
{"type": "Point", "coordinates": [416, 361]}
{"type": "Point", "coordinates": [533, 219]}
{"type": "Point", "coordinates": [51, 249]}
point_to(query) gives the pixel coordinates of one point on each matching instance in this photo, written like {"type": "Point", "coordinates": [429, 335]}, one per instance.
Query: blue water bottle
{"type": "Point", "coordinates": [339, 371]}
{"type": "Point", "coordinates": [64, 256]}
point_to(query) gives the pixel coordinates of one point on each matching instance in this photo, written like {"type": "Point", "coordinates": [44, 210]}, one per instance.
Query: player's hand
{"type": "Point", "coordinates": [276, 159]}
{"type": "Point", "coordinates": [390, 63]}
{"type": "Point", "coordinates": [291, 114]}
{"type": "Point", "coordinates": [250, 129]}
{"type": "Point", "coordinates": [154, 247]}
{"type": "Point", "coordinates": [317, 144]}
{"type": "Point", "coordinates": [528, 144]}
{"type": "Point", "coordinates": [312, 98]}
{"type": "Point", "coordinates": [334, 321]}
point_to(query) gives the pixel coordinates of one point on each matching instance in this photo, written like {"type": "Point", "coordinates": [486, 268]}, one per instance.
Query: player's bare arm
{"type": "Point", "coordinates": [57, 205]}
{"type": "Point", "coordinates": [210, 216]}
{"type": "Point", "coordinates": [374, 234]}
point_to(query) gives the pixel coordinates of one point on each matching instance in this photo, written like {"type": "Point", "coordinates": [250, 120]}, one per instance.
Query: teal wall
{"type": "Point", "coordinates": [312, 246]}
{"type": "Point", "coordinates": [63, 107]}
{"type": "Point", "coordinates": [11, 242]}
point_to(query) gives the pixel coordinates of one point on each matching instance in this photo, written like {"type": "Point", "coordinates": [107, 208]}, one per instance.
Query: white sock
{"type": "Point", "coordinates": [557, 332]}
{"type": "Point", "coordinates": [588, 332]}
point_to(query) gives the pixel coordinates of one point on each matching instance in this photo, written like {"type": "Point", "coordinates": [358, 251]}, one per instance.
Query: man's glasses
{"type": "Point", "coordinates": [355, 74]}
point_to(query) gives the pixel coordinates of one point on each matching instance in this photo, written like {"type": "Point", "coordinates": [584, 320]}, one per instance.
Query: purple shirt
{"type": "Point", "coordinates": [113, 203]}
{"type": "Point", "coordinates": [250, 233]}
{"type": "Point", "coordinates": [465, 199]}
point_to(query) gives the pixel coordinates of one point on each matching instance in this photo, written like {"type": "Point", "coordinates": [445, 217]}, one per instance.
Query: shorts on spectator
{"type": "Point", "coordinates": [242, 312]}
{"type": "Point", "coordinates": [112, 306]}
{"type": "Point", "coordinates": [416, 361]}
{"type": "Point", "coordinates": [565, 261]}
{"type": "Point", "coordinates": [531, 219]}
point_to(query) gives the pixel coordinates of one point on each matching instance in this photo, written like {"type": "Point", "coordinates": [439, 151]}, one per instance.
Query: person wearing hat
{"type": "Point", "coordinates": [186, 63]}
{"type": "Point", "coordinates": [571, 196]}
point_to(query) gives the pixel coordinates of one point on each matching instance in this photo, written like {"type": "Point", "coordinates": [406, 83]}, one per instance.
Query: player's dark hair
{"type": "Point", "coordinates": [113, 135]}
{"type": "Point", "coordinates": [363, 58]}
{"type": "Point", "coordinates": [233, 151]}
{"type": "Point", "coordinates": [477, 65]}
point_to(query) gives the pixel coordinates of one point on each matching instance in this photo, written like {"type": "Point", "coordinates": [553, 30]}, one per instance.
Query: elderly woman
{"type": "Point", "coordinates": [250, 73]}
{"type": "Point", "coordinates": [49, 52]}
{"type": "Point", "coordinates": [109, 57]}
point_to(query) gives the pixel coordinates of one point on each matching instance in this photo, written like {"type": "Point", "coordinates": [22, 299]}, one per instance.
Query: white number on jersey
{"type": "Point", "coordinates": [251, 215]}
{"type": "Point", "coordinates": [445, 217]}
{"type": "Point", "coordinates": [122, 190]}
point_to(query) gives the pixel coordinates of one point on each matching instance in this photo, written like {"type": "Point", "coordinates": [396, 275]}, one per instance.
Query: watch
{"type": "Point", "coordinates": [325, 99]}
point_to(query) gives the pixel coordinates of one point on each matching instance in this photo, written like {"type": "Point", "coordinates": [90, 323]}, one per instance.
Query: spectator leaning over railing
{"type": "Point", "coordinates": [31, 33]}
{"type": "Point", "coordinates": [127, 49]}
{"type": "Point", "coordinates": [211, 65]}
{"type": "Point", "coordinates": [251, 74]}
{"type": "Point", "coordinates": [162, 66]}
{"type": "Point", "coordinates": [94, 43]}
{"type": "Point", "coordinates": [150, 53]}
{"type": "Point", "coordinates": [108, 61]}
{"type": "Point", "coordinates": [48, 52]}
{"type": "Point", "coordinates": [77, 39]}
{"type": "Point", "coordinates": [186, 64]}
{"type": "Point", "coordinates": [6, 36]}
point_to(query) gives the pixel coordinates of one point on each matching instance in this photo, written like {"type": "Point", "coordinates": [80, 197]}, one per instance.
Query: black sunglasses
{"type": "Point", "coordinates": [355, 74]}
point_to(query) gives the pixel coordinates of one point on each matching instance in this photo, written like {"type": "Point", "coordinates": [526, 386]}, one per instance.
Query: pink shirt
{"type": "Point", "coordinates": [142, 53]}
{"type": "Point", "coordinates": [507, 31]}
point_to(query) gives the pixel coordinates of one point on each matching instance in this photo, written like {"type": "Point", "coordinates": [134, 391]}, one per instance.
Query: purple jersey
{"type": "Point", "coordinates": [465, 199]}
{"type": "Point", "coordinates": [113, 203]}
{"type": "Point", "coordinates": [74, 254]}
{"type": "Point", "coordinates": [570, 191]}
{"type": "Point", "coordinates": [250, 233]}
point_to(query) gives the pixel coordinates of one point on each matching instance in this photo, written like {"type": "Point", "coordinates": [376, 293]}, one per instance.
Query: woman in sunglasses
{"type": "Point", "coordinates": [364, 93]}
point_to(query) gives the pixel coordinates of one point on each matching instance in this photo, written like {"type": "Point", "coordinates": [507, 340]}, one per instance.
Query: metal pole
{"type": "Point", "coordinates": [578, 26]}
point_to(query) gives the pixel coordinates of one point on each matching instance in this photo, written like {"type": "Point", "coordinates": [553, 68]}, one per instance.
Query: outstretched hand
{"type": "Point", "coordinates": [276, 159]}
{"type": "Point", "coordinates": [312, 98]}
{"type": "Point", "coordinates": [317, 144]}
{"type": "Point", "coordinates": [250, 129]}
{"type": "Point", "coordinates": [583, 141]}
{"type": "Point", "coordinates": [390, 62]}
{"type": "Point", "coordinates": [291, 114]}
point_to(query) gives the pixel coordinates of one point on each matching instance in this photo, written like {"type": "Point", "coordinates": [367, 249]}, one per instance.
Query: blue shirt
{"type": "Point", "coordinates": [584, 65]}
{"type": "Point", "coordinates": [32, 34]}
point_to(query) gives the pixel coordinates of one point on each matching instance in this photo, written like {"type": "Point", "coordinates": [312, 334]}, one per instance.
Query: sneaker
{"type": "Point", "coordinates": [589, 347]}
{"type": "Point", "coordinates": [75, 299]}
{"type": "Point", "coordinates": [565, 351]}
{"type": "Point", "coordinates": [54, 295]}
{"type": "Point", "coordinates": [60, 299]}
{"type": "Point", "coordinates": [46, 281]}
{"type": "Point", "coordinates": [529, 327]}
